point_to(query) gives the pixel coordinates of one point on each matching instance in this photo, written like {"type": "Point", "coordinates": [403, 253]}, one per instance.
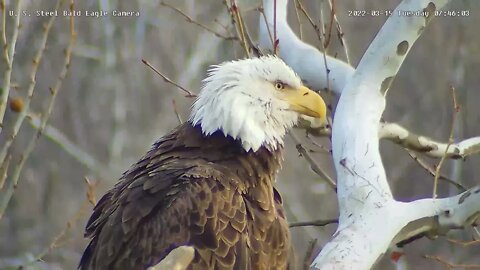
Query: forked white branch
{"type": "Point", "coordinates": [402, 136]}
{"type": "Point", "coordinates": [429, 147]}
{"type": "Point", "coordinates": [370, 218]}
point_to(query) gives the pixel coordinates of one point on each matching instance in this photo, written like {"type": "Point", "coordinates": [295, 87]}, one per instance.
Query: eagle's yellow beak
{"type": "Point", "coordinates": [306, 101]}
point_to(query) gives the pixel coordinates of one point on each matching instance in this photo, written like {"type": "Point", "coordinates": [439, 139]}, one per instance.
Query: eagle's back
{"type": "Point", "coordinates": [192, 190]}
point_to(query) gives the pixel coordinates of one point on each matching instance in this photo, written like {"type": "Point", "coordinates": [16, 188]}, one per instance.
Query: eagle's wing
{"type": "Point", "coordinates": [163, 202]}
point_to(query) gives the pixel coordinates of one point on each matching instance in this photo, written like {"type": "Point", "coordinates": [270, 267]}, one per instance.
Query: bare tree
{"type": "Point", "coordinates": [371, 220]}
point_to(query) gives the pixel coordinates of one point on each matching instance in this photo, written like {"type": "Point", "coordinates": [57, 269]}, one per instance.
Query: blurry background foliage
{"type": "Point", "coordinates": [112, 107]}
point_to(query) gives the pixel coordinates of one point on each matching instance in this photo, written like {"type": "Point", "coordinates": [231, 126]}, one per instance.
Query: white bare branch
{"type": "Point", "coordinates": [369, 216]}
{"type": "Point", "coordinates": [370, 219]}
{"type": "Point", "coordinates": [435, 217]}
{"type": "Point", "coordinates": [418, 143]}
{"type": "Point", "coordinates": [400, 135]}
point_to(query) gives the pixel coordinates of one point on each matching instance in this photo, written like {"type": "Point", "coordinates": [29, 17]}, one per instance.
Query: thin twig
{"type": "Point", "coordinates": [252, 47]}
{"type": "Point", "coordinates": [300, 25]}
{"type": "Point", "coordinates": [340, 33]}
{"type": "Point", "coordinates": [8, 55]}
{"type": "Point", "coordinates": [318, 223]}
{"type": "Point", "coordinates": [175, 110]}
{"type": "Point", "coordinates": [321, 22]}
{"type": "Point", "coordinates": [456, 109]}
{"type": "Point", "coordinates": [431, 171]}
{"type": "Point", "coordinates": [328, 37]}
{"type": "Point", "coordinates": [275, 39]}
{"type": "Point", "coordinates": [320, 146]}
{"type": "Point", "coordinates": [314, 25]}
{"type": "Point", "coordinates": [190, 20]}
{"type": "Point", "coordinates": [261, 10]}
{"type": "Point", "coordinates": [237, 20]}
{"type": "Point", "coordinates": [223, 26]}
{"type": "Point", "coordinates": [463, 243]}
{"type": "Point", "coordinates": [314, 165]}
{"type": "Point", "coordinates": [449, 265]}
{"type": "Point", "coordinates": [167, 80]}
{"type": "Point", "coordinates": [476, 231]}
{"type": "Point", "coordinates": [232, 21]}
{"type": "Point", "coordinates": [4, 171]}
{"type": "Point", "coordinates": [91, 186]}
{"type": "Point", "coordinates": [325, 63]}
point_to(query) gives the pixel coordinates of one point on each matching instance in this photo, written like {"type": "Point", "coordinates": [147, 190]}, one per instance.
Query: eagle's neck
{"type": "Point", "coordinates": [252, 128]}
{"type": "Point", "coordinates": [229, 156]}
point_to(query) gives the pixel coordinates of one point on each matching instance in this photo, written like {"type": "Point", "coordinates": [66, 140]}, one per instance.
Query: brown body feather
{"type": "Point", "coordinates": [204, 192]}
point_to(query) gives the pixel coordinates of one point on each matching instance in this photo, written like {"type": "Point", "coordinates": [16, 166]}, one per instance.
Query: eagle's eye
{"type": "Point", "coordinates": [279, 85]}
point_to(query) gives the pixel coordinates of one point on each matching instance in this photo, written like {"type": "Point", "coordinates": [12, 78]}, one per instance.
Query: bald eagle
{"type": "Point", "coordinates": [208, 184]}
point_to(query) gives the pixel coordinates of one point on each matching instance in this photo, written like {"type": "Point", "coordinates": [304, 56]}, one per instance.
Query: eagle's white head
{"type": "Point", "coordinates": [255, 101]}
